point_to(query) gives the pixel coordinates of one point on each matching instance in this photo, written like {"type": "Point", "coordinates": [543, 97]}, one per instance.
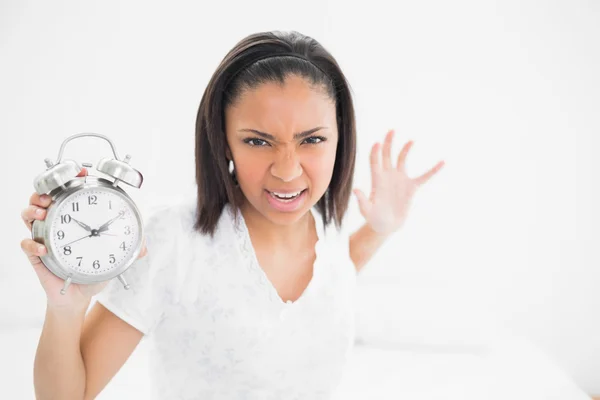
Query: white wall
{"type": "Point", "coordinates": [505, 93]}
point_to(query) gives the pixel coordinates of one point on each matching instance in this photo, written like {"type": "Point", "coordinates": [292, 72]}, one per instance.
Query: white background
{"type": "Point", "coordinates": [507, 93]}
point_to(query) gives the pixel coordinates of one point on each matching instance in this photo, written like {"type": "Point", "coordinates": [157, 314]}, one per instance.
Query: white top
{"type": "Point", "coordinates": [217, 326]}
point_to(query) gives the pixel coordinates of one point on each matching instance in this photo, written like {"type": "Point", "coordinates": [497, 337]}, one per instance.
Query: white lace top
{"type": "Point", "coordinates": [218, 329]}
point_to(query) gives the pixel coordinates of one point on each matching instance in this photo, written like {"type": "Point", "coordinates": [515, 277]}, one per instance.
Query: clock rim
{"type": "Point", "coordinates": [41, 230]}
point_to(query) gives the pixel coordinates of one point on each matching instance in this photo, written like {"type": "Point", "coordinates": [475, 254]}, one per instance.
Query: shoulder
{"type": "Point", "coordinates": [168, 215]}
{"type": "Point", "coordinates": [173, 225]}
{"type": "Point", "coordinates": [331, 233]}
{"type": "Point", "coordinates": [333, 240]}
{"type": "Point", "coordinates": [175, 221]}
{"type": "Point", "coordinates": [166, 231]}
{"type": "Point", "coordinates": [336, 246]}
{"type": "Point", "coordinates": [171, 220]}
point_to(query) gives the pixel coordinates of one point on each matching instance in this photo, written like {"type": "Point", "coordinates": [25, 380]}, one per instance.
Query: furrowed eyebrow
{"type": "Point", "coordinates": [300, 135]}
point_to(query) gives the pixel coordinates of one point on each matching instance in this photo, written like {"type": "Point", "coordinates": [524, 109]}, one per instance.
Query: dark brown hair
{"type": "Point", "coordinates": [244, 68]}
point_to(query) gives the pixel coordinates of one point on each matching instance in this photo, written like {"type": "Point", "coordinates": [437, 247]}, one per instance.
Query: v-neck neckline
{"type": "Point", "coordinates": [247, 247]}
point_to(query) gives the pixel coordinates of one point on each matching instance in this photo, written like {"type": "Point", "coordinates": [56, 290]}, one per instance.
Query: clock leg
{"type": "Point", "coordinates": [124, 282]}
{"type": "Point", "coordinates": [67, 283]}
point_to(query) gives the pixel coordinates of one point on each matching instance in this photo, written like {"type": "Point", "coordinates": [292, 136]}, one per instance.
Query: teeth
{"type": "Point", "coordinates": [286, 195]}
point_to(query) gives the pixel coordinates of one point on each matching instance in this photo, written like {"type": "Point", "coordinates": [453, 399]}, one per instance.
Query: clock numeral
{"type": "Point", "coordinates": [128, 230]}
{"type": "Point", "coordinates": [65, 219]}
{"type": "Point", "coordinates": [112, 259]}
{"type": "Point", "coordinates": [110, 204]}
{"type": "Point", "coordinates": [79, 258]}
{"type": "Point", "coordinates": [96, 264]}
{"type": "Point", "coordinates": [67, 250]}
{"type": "Point", "coordinates": [92, 200]}
{"type": "Point", "coordinates": [122, 214]}
{"type": "Point", "coordinates": [75, 206]}
{"type": "Point", "coordinates": [122, 246]}
{"type": "Point", "coordinates": [60, 234]}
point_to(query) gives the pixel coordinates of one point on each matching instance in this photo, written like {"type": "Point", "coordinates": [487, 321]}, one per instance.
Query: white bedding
{"type": "Point", "coordinates": [510, 369]}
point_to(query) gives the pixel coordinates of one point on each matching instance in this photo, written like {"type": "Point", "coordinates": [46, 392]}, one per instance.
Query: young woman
{"type": "Point", "coordinates": [246, 289]}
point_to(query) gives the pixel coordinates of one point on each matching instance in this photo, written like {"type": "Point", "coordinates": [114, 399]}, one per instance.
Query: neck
{"type": "Point", "coordinates": [289, 237]}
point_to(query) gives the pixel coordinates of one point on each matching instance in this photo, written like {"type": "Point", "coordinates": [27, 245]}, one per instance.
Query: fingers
{"type": "Point", "coordinates": [36, 209]}
{"type": "Point", "coordinates": [43, 200]}
{"type": "Point", "coordinates": [402, 156]}
{"type": "Point", "coordinates": [83, 172]}
{"type": "Point", "coordinates": [426, 176]}
{"type": "Point", "coordinates": [144, 250]}
{"type": "Point", "coordinates": [33, 250]}
{"type": "Point", "coordinates": [31, 213]}
{"type": "Point", "coordinates": [387, 150]}
{"type": "Point", "coordinates": [38, 204]}
{"type": "Point", "coordinates": [363, 203]}
{"type": "Point", "coordinates": [40, 200]}
{"type": "Point", "coordinates": [375, 164]}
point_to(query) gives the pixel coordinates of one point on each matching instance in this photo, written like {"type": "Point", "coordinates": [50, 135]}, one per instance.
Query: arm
{"type": "Point", "coordinates": [58, 371]}
{"type": "Point", "coordinates": [106, 343]}
{"type": "Point", "coordinates": [387, 207]}
{"type": "Point", "coordinates": [364, 243]}
{"type": "Point", "coordinates": [77, 355]}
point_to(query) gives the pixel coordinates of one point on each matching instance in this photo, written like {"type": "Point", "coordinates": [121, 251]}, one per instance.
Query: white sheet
{"type": "Point", "coordinates": [511, 369]}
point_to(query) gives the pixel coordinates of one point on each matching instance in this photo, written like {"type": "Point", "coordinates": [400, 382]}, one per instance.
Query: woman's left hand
{"type": "Point", "coordinates": [392, 190]}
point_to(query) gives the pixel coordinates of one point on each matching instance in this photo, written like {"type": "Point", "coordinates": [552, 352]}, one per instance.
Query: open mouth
{"type": "Point", "coordinates": [286, 197]}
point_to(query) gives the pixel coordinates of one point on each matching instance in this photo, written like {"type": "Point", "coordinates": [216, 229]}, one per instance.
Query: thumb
{"type": "Point", "coordinates": [83, 172]}
{"type": "Point", "coordinates": [144, 250]}
{"type": "Point", "coordinates": [363, 203]}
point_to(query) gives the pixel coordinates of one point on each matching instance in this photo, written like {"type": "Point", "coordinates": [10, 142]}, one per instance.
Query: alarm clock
{"type": "Point", "coordinates": [93, 230]}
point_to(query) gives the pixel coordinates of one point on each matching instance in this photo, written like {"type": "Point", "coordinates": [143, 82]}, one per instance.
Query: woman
{"type": "Point", "coordinates": [245, 290]}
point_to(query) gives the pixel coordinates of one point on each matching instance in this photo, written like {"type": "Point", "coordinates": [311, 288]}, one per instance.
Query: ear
{"type": "Point", "coordinates": [228, 154]}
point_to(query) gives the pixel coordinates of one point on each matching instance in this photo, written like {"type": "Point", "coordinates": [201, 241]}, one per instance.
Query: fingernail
{"type": "Point", "coordinates": [41, 249]}
{"type": "Point", "coordinates": [39, 211]}
{"type": "Point", "coordinates": [44, 198]}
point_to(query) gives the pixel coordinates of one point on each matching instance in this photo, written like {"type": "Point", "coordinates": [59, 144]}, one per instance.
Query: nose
{"type": "Point", "coordinates": [286, 166]}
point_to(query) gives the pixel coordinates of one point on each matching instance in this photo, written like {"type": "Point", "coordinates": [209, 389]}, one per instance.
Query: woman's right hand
{"type": "Point", "coordinates": [77, 296]}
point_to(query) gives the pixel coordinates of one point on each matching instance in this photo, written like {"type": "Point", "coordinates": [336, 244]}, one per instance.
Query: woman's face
{"type": "Point", "coordinates": [283, 141]}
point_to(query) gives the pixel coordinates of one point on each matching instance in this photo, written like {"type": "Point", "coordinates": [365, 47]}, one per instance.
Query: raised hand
{"type": "Point", "coordinates": [392, 190]}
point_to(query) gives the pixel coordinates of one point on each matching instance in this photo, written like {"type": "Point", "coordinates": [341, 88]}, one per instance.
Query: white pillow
{"type": "Point", "coordinates": [417, 315]}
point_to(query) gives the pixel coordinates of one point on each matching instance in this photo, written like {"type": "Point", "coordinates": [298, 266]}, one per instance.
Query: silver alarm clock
{"type": "Point", "coordinates": [93, 230]}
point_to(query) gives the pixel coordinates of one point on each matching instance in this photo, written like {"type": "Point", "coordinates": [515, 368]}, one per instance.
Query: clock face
{"type": "Point", "coordinates": [94, 230]}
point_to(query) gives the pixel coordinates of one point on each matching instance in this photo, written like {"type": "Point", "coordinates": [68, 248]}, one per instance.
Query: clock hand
{"type": "Point", "coordinates": [107, 234]}
{"type": "Point", "coordinates": [104, 227]}
{"type": "Point", "coordinates": [85, 237]}
{"type": "Point", "coordinates": [84, 226]}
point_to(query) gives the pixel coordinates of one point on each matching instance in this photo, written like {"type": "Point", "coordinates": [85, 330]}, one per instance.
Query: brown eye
{"type": "Point", "coordinates": [255, 142]}
{"type": "Point", "coordinates": [314, 139]}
